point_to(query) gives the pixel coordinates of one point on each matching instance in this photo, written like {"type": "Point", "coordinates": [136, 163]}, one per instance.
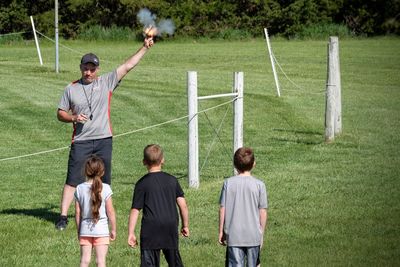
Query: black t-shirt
{"type": "Point", "coordinates": [156, 194]}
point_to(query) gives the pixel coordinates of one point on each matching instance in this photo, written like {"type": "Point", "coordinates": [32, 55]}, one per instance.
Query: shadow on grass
{"type": "Point", "coordinates": [40, 213]}
{"type": "Point", "coordinates": [305, 132]}
{"type": "Point", "coordinates": [301, 137]}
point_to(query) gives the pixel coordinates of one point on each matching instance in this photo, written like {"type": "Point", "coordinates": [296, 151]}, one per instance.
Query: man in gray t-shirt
{"type": "Point", "coordinates": [243, 212]}
{"type": "Point", "coordinates": [92, 101]}
{"type": "Point", "coordinates": [86, 104]}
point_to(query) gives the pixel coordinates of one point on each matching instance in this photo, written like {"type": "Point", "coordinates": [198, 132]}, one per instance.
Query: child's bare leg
{"type": "Point", "coordinates": [86, 254]}
{"type": "Point", "coordinates": [101, 253]}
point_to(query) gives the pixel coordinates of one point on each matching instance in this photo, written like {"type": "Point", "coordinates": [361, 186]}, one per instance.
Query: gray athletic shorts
{"type": "Point", "coordinates": [80, 151]}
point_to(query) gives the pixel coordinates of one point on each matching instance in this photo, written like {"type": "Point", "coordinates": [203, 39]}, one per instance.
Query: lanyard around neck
{"type": "Point", "coordinates": [87, 98]}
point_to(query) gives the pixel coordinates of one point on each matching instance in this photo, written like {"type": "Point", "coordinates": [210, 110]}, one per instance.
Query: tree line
{"type": "Point", "coordinates": [206, 18]}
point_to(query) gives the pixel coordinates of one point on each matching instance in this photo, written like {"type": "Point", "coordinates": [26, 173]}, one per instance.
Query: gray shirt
{"type": "Point", "coordinates": [82, 196]}
{"type": "Point", "coordinates": [243, 197]}
{"type": "Point", "coordinates": [92, 100]}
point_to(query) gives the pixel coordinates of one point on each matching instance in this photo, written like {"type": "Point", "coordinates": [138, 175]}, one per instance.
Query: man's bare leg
{"type": "Point", "coordinates": [67, 198]}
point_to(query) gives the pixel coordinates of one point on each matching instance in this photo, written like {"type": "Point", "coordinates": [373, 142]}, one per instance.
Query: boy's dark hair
{"type": "Point", "coordinates": [152, 155]}
{"type": "Point", "coordinates": [243, 159]}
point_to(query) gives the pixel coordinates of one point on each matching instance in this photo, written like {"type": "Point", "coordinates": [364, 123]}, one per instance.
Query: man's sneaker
{"type": "Point", "coordinates": [62, 223]}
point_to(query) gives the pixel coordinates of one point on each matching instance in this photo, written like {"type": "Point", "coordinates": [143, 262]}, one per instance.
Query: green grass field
{"type": "Point", "coordinates": [330, 204]}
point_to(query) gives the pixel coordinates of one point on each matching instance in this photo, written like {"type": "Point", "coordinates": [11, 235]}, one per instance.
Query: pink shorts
{"type": "Point", "coordinates": [94, 241]}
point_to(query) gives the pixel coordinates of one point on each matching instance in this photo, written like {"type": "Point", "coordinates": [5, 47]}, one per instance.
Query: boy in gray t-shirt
{"type": "Point", "coordinates": [243, 212]}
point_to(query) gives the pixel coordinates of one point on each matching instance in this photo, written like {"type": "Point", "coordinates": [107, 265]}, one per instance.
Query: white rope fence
{"type": "Point", "coordinates": [280, 67]}
{"type": "Point", "coordinates": [80, 53]}
{"type": "Point", "coordinates": [115, 136]}
{"type": "Point", "coordinates": [273, 61]}
{"type": "Point", "coordinates": [291, 81]}
{"type": "Point", "coordinates": [35, 154]}
{"type": "Point", "coordinates": [66, 47]}
{"type": "Point", "coordinates": [118, 135]}
{"type": "Point", "coordinates": [214, 139]}
{"type": "Point", "coordinates": [13, 33]}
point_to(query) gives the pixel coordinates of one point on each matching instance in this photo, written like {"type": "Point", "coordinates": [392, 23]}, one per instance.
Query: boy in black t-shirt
{"type": "Point", "coordinates": [158, 193]}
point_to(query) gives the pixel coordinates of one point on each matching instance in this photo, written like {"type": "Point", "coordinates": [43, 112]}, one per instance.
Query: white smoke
{"type": "Point", "coordinates": [147, 19]}
{"type": "Point", "coordinates": [167, 26]}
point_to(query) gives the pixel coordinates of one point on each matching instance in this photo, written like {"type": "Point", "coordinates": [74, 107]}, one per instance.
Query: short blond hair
{"type": "Point", "coordinates": [153, 155]}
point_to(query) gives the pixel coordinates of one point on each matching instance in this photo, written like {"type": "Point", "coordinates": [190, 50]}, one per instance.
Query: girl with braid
{"type": "Point", "coordinates": [94, 212]}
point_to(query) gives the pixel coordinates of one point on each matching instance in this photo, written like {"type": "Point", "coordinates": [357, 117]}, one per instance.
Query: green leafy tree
{"type": "Point", "coordinates": [13, 17]}
{"type": "Point", "coordinates": [372, 16]}
{"type": "Point", "coordinates": [208, 18]}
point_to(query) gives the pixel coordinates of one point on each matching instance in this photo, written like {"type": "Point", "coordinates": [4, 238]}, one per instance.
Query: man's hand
{"type": "Point", "coordinates": [81, 118]}
{"type": "Point", "coordinates": [148, 42]}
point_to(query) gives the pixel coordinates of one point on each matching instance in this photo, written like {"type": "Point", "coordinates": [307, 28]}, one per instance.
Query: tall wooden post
{"type": "Point", "coordinates": [338, 94]}
{"type": "Point", "coordinates": [332, 116]}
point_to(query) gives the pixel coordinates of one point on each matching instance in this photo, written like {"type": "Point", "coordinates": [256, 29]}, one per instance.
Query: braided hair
{"type": "Point", "coordinates": [94, 170]}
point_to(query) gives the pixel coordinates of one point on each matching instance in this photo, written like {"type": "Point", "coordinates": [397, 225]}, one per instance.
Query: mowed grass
{"type": "Point", "coordinates": [330, 204]}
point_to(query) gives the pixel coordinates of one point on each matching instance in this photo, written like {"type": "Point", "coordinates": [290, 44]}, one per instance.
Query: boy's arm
{"type": "Point", "coordinates": [184, 212]}
{"type": "Point", "coordinates": [263, 222]}
{"type": "Point", "coordinates": [133, 217]}
{"type": "Point", "coordinates": [77, 216]}
{"type": "Point", "coordinates": [221, 236]}
{"type": "Point", "coordinates": [111, 218]}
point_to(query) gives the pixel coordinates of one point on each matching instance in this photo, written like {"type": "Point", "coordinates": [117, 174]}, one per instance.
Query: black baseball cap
{"type": "Point", "coordinates": [90, 58]}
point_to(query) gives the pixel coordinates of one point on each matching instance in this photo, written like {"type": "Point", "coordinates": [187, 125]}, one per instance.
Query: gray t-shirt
{"type": "Point", "coordinates": [91, 99]}
{"type": "Point", "coordinates": [82, 196]}
{"type": "Point", "coordinates": [243, 197]}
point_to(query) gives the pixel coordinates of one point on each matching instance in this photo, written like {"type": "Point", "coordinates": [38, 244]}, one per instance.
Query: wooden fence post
{"type": "Point", "coordinates": [338, 87]}
{"type": "Point", "coordinates": [331, 91]}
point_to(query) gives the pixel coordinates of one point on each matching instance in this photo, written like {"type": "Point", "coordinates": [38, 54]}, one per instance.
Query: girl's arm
{"type": "Point", "coordinates": [111, 218]}
{"type": "Point", "coordinates": [78, 216]}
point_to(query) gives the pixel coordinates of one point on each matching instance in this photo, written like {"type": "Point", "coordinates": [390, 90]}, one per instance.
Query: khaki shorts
{"type": "Point", "coordinates": [94, 241]}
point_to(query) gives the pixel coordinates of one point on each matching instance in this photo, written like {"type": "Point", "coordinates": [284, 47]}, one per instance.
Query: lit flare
{"type": "Point", "coordinates": [150, 31]}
